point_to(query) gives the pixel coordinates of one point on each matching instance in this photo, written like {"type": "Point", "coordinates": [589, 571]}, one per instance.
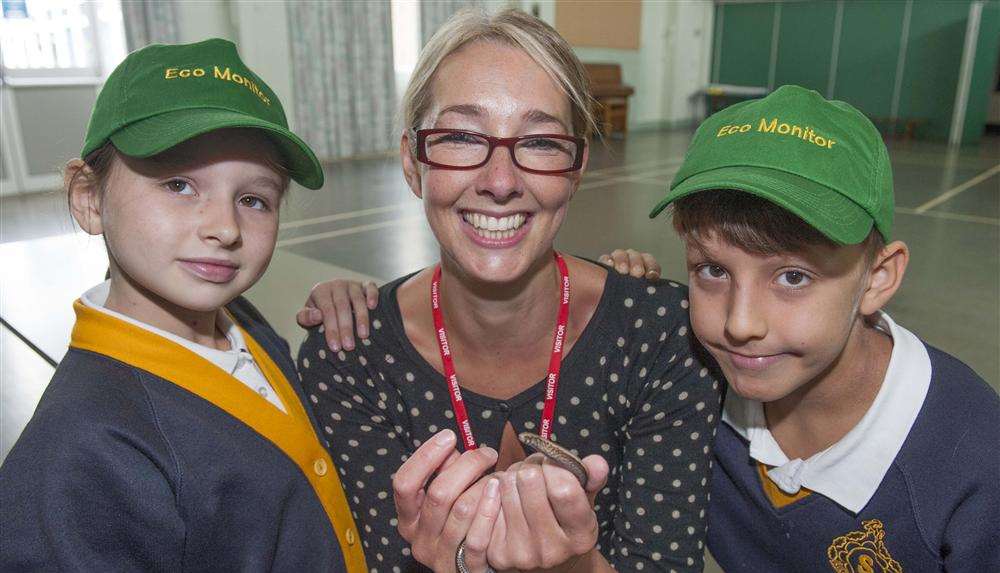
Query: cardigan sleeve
{"type": "Point", "coordinates": [89, 486]}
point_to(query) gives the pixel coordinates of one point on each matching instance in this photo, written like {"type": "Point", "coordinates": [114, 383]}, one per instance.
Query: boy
{"type": "Point", "coordinates": [848, 443]}
{"type": "Point", "coordinates": [173, 436]}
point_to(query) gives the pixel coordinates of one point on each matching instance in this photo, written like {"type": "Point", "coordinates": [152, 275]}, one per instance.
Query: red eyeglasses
{"type": "Point", "coordinates": [542, 153]}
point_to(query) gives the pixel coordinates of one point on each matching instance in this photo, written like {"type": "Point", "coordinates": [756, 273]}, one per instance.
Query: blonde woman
{"type": "Point", "coordinates": [506, 335]}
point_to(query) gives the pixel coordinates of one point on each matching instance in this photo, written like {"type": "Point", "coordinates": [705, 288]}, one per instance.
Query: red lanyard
{"type": "Point", "coordinates": [555, 362]}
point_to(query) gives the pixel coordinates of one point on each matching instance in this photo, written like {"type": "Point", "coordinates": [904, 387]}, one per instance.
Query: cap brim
{"type": "Point", "coordinates": [156, 134]}
{"type": "Point", "coordinates": [840, 219]}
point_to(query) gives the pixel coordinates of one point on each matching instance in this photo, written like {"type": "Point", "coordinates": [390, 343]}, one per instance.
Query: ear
{"type": "Point", "coordinates": [411, 169]}
{"type": "Point", "coordinates": [885, 276]}
{"type": "Point", "coordinates": [84, 196]}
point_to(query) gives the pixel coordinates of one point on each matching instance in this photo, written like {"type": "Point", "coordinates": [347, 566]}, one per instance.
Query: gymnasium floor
{"type": "Point", "coordinates": [366, 224]}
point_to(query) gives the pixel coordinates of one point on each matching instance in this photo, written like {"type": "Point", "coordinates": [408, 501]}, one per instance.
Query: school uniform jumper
{"type": "Point", "coordinates": [914, 487]}
{"type": "Point", "coordinates": [144, 456]}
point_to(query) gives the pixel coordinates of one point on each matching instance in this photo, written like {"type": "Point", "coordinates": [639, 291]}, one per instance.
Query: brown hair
{"type": "Point", "coordinates": [99, 161]}
{"type": "Point", "coordinates": [752, 223]}
{"type": "Point", "coordinates": [511, 27]}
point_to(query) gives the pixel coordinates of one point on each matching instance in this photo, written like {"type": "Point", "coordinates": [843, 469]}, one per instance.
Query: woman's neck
{"type": "Point", "coordinates": [127, 297]}
{"type": "Point", "coordinates": [510, 315]}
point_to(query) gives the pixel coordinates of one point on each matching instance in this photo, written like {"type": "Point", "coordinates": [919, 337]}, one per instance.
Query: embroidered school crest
{"type": "Point", "coordinates": [862, 551]}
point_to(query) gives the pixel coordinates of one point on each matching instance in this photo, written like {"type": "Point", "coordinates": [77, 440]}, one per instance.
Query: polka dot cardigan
{"type": "Point", "coordinates": [635, 388]}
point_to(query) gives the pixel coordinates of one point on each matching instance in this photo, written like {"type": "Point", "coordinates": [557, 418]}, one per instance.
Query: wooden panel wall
{"type": "Point", "coordinates": [600, 24]}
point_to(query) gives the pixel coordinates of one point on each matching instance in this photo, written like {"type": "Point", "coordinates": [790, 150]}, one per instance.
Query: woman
{"type": "Point", "coordinates": [496, 121]}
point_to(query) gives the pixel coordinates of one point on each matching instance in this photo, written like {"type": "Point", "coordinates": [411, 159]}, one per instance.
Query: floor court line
{"type": "Point", "coordinates": [609, 171]}
{"type": "Point", "coordinates": [958, 189]}
{"type": "Point", "coordinates": [407, 204]}
{"type": "Point", "coordinates": [636, 177]}
{"type": "Point", "coordinates": [345, 215]}
{"type": "Point", "coordinates": [950, 216]}
{"type": "Point", "coordinates": [649, 178]}
{"type": "Point", "coordinates": [347, 231]}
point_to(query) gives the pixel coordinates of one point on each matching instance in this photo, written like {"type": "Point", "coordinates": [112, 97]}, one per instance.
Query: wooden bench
{"type": "Point", "coordinates": [611, 97]}
{"type": "Point", "coordinates": [721, 96]}
{"type": "Point", "coordinates": [904, 128]}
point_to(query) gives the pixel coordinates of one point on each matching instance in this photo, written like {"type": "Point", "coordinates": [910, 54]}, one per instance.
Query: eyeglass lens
{"type": "Point", "coordinates": [462, 149]}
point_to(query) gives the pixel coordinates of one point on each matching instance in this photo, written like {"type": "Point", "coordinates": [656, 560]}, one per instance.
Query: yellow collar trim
{"type": "Point", "coordinates": [291, 432]}
{"type": "Point", "coordinates": [775, 494]}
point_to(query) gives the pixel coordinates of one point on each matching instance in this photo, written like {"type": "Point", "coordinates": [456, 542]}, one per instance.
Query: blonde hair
{"type": "Point", "coordinates": [511, 27]}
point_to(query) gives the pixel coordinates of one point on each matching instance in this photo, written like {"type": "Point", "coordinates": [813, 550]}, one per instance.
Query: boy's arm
{"type": "Point", "coordinates": [972, 535]}
{"type": "Point", "coordinates": [85, 489]}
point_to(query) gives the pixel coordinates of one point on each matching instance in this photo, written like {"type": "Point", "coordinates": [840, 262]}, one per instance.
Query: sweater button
{"type": "Point", "coordinates": [319, 466]}
{"type": "Point", "coordinates": [351, 539]}
{"type": "Point", "coordinates": [504, 407]}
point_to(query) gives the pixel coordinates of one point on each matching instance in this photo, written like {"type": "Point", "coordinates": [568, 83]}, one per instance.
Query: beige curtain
{"type": "Point", "coordinates": [343, 76]}
{"type": "Point", "coordinates": [149, 22]}
{"type": "Point", "coordinates": [433, 13]}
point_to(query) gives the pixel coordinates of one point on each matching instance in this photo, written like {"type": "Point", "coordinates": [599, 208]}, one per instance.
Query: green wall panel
{"type": "Point", "coordinates": [869, 51]}
{"type": "Point", "coordinates": [984, 73]}
{"type": "Point", "coordinates": [933, 62]}
{"type": "Point", "coordinates": [871, 35]}
{"type": "Point", "coordinates": [805, 43]}
{"type": "Point", "coordinates": [745, 50]}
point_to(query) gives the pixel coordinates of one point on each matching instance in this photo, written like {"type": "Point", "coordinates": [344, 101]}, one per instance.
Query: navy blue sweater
{"type": "Point", "coordinates": [122, 470]}
{"type": "Point", "coordinates": [937, 508]}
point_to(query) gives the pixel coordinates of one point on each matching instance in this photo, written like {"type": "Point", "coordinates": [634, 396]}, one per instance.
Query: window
{"type": "Point", "coordinates": [405, 41]}
{"type": "Point", "coordinates": [51, 39]}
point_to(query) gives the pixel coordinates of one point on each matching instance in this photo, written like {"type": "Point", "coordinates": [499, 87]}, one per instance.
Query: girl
{"type": "Point", "coordinates": [173, 437]}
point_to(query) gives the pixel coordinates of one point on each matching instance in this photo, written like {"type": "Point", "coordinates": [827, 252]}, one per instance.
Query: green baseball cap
{"type": "Point", "coordinates": [163, 95]}
{"type": "Point", "coordinates": [822, 160]}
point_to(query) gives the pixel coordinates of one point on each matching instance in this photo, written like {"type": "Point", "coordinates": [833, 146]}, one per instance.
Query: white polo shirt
{"type": "Point", "coordinates": [236, 361]}
{"type": "Point", "coordinates": [850, 471]}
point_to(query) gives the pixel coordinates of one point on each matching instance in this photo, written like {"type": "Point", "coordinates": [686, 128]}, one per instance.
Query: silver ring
{"type": "Point", "coordinates": [460, 565]}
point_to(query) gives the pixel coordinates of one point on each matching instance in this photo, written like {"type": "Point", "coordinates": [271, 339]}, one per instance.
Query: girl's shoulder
{"type": "Point", "coordinates": [91, 406]}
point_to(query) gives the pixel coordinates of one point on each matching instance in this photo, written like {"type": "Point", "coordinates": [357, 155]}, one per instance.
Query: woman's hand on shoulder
{"type": "Point", "coordinates": [547, 520]}
{"type": "Point", "coordinates": [632, 262]}
{"type": "Point", "coordinates": [340, 305]}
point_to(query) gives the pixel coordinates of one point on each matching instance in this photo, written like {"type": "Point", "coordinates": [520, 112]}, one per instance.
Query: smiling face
{"type": "Point", "coordinates": [193, 227]}
{"type": "Point", "coordinates": [496, 221]}
{"type": "Point", "coordinates": [776, 323]}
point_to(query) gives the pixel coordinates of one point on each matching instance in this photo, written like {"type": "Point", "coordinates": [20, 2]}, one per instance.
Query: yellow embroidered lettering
{"type": "Point", "coordinates": [777, 127]}
{"type": "Point", "coordinates": [184, 73]}
{"type": "Point", "coordinates": [768, 127]}
{"type": "Point", "coordinates": [246, 82]}
{"type": "Point", "coordinates": [170, 74]}
{"type": "Point", "coordinates": [198, 72]}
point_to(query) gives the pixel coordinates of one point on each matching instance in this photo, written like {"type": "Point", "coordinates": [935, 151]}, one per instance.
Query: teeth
{"type": "Point", "coordinates": [495, 228]}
